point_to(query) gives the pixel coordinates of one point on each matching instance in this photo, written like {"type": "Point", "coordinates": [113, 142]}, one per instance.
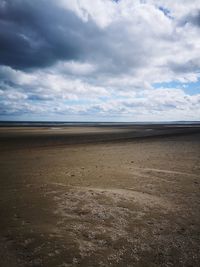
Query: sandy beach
{"type": "Point", "coordinates": [122, 195]}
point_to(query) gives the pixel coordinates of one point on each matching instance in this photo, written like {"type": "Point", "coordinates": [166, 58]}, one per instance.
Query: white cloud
{"type": "Point", "coordinates": [75, 68]}
{"type": "Point", "coordinates": [135, 44]}
{"type": "Point", "coordinates": [101, 11]}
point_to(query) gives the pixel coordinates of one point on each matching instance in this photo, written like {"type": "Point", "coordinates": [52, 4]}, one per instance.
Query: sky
{"type": "Point", "coordinates": [102, 60]}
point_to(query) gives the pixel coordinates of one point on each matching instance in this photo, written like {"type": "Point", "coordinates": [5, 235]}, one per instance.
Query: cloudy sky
{"type": "Point", "coordinates": [102, 60]}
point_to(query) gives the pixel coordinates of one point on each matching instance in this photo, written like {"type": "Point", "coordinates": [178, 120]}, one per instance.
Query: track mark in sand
{"type": "Point", "coordinates": [166, 171]}
{"type": "Point", "coordinates": [146, 175]}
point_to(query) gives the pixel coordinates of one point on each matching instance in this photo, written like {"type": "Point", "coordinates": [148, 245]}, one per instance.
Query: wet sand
{"type": "Point", "coordinates": [100, 196]}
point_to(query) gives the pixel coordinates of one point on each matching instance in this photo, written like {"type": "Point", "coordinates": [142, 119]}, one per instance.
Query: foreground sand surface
{"type": "Point", "coordinates": [100, 196]}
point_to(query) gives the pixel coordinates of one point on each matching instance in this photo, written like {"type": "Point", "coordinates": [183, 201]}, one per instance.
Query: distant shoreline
{"type": "Point", "coordinates": [47, 135]}
{"type": "Point", "coordinates": [87, 123]}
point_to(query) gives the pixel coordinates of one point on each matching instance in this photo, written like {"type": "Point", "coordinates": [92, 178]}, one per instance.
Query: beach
{"type": "Point", "coordinates": [100, 195]}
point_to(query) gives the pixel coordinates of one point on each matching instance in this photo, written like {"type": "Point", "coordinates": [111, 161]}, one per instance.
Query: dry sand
{"type": "Point", "coordinates": [100, 196]}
